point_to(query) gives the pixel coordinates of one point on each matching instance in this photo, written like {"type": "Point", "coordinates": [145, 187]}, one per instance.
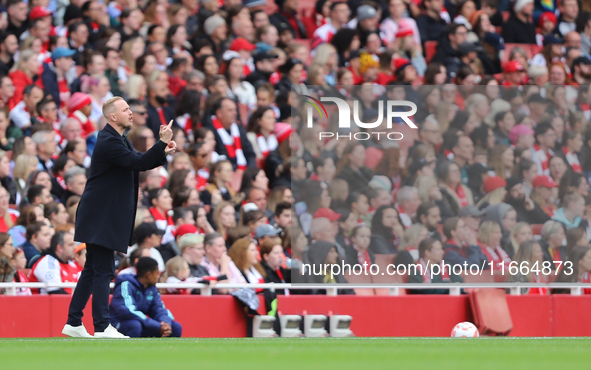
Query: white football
{"type": "Point", "coordinates": [465, 330]}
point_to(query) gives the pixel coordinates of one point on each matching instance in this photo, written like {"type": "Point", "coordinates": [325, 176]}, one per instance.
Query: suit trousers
{"type": "Point", "coordinates": [98, 272]}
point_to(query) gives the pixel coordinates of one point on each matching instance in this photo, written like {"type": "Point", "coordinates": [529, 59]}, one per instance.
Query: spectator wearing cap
{"type": "Point", "coordinates": [287, 16]}
{"type": "Point", "coordinates": [448, 46]}
{"type": "Point", "coordinates": [243, 48]}
{"type": "Point", "coordinates": [542, 193]}
{"type": "Point", "coordinates": [148, 235]}
{"type": "Point", "coordinates": [431, 25]}
{"type": "Point", "coordinates": [513, 73]}
{"type": "Point", "coordinates": [494, 189]}
{"type": "Point", "coordinates": [339, 16]}
{"type": "Point", "coordinates": [581, 70]}
{"type": "Point", "coordinates": [8, 48]}
{"type": "Point", "coordinates": [17, 17]}
{"type": "Point", "coordinates": [471, 216]}
{"type": "Point", "coordinates": [551, 52]}
{"type": "Point", "coordinates": [368, 67]}
{"type": "Point", "coordinates": [527, 210]}
{"type": "Point", "coordinates": [366, 21]}
{"type": "Point", "coordinates": [569, 12]}
{"type": "Point", "coordinates": [265, 232]}
{"type": "Point", "coordinates": [546, 25]}
{"type": "Point", "coordinates": [80, 108]}
{"type": "Point", "coordinates": [263, 62]}
{"type": "Point", "coordinates": [216, 32]}
{"type": "Point", "coordinates": [40, 26]}
{"type": "Point", "coordinates": [404, 70]}
{"type": "Point", "coordinates": [53, 78]}
{"type": "Point", "coordinates": [519, 29]}
{"type": "Point", "coordinates": [493, 44]}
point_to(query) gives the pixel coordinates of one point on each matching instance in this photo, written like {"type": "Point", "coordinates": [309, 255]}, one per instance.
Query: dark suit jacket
{"type": "Point", "coordinates": [220, 148]}
{"type": "Point", "coordinates": [153, 121]}
{"type": "Point", "coordinates": [106, 212]}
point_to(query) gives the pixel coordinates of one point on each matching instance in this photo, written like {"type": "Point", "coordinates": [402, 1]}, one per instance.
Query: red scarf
{"type": "Point", "coordinates": [539, 279]}
{"type": "Point", "coordinates": [543, 158]}
{"type": "Point", "coordinates": [160, 219]}
{"type": "Point", "coordinates": [202, 176]}
{"type": "Point", "coordinates": [462, 195]}
{"type": "Point", "coordinates": [162, 117]}
{"type": "Point", "coordinates": [427, 271]}
{"type": "Point", "coordinates": [267, 145]}
{"type": "Point", "coordinates": [362, 256]}
{"type": "Point", "coordinates": [497, 255]}
{"type": "Point", "coordinates": [573, 160]}
{"type": "Point", "coordinates": [231, 141]}
{"type": "Point", "coordinates": [280, 274]}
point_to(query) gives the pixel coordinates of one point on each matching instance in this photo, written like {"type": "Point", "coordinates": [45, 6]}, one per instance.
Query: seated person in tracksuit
{"type": "Point", "coordinates": [136, 309]}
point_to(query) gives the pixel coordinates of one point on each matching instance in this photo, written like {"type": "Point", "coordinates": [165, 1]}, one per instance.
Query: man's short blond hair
{"type": "Point", "coordinates": [109, 106]}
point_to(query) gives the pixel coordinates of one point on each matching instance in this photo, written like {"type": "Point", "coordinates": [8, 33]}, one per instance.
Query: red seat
{"type": "Point", "coordinates": [491, 311]}
{"type": "Point", "coordinates": [382, 261]}
{"type": "Point", "coordinates": [536, 229]}
{"type": "Point", "coordinates": [430, 49]}
{"type": "Point", "coordinates": [360, 279]}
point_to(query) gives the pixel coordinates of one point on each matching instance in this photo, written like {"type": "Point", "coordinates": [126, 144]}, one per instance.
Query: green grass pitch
{"type": "Point", "coordinates": [304, 353]}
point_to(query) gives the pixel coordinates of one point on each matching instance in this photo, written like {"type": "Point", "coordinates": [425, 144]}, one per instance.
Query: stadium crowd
{"type": "Point", "coordinates": [497, 171]}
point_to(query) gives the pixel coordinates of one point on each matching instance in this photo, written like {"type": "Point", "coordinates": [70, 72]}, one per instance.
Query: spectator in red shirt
{"type": "Point", "coordinates": [26, 71]}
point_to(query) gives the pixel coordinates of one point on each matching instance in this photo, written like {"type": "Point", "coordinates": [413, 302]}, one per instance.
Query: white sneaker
{"type": "Point", "coordinates": [75, 331]}
{"type": "Point", "coordinates": [110, 332]}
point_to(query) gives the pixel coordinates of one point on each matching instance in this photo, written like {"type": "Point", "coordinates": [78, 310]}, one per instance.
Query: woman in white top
{"type": "Point", "coordinates": [238, 89]}
{"type": "Point", "coordinates": [245, 255]}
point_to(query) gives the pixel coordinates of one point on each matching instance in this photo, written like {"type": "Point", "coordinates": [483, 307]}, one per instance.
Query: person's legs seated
{"type": "Point", "coordinates": [177, 329]}
{"type": "Point", "coordinates": [131, 328]}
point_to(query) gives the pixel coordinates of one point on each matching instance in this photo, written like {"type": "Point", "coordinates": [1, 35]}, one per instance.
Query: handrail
{"type": "Point", "coordinates": [332, 289]}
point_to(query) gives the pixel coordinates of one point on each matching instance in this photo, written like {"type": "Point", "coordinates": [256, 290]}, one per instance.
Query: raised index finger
{"type": "Point", "coordinates": [169, 124]}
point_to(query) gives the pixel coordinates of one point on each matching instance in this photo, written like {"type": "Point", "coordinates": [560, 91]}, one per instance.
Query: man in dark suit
{"type": "Point", "coordinates": [106, 213]}
{"type": "Point", "coordinates": [230, 137]}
